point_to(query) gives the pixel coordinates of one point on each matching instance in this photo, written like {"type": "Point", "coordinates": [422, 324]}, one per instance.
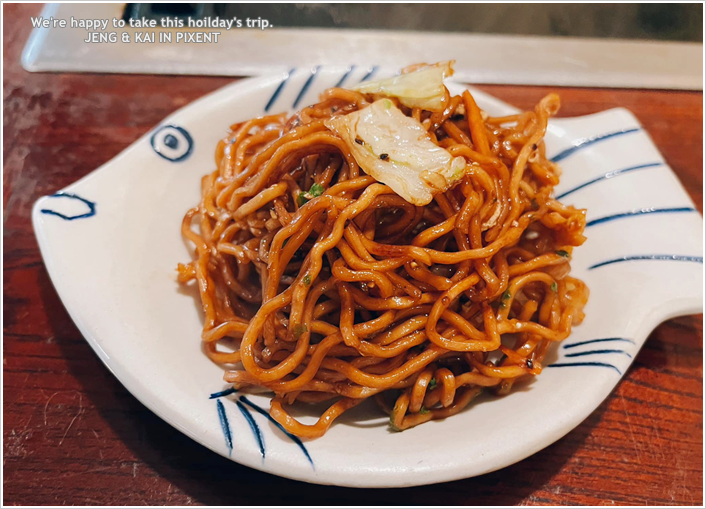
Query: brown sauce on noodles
{"type": "Point", "coordinates": [345, 291]}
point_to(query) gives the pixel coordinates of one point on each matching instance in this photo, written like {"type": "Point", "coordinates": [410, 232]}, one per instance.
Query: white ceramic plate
{"type": "Point", "coordinates": [111, 242]}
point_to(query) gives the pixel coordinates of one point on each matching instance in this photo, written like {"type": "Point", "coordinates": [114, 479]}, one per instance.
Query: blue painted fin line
{"type": "Point", "coordinates": [344, 77]}
{"type": "Point", "coordinates": [601, 340]}
{"type": "Point", "coordinates": [91, 207]}
{"type": "Point", "coordinates": [294, 438]}
{"type": "Point", "coordinates": [639, 213]}
{"type": "Point", "coordinates": [677, 258]}
{"type": "Point", "coordinates": [570, 364]}
{"type": "Point", "coordinates": [224, 424]}
{"type": "Point", "coordinates": [223, 393]}
{"type": "Point", "coordinates": [279, 89]}
{"type": "Point", "coordinates": [306, 86]}
{"type": "Point", "coordinates": [591, 352]}
{"type": "Point", "coordinates": [608, 175]}
{"type": "Point", "coordinates": [590, 141]}
{"type": "Point", "coordinates": [370, 74]}
{"type": "Point", "coordinates": [253, 426]}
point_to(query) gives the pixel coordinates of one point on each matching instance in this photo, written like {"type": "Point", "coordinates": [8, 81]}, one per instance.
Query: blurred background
{"type": "Point", "coordinates": [647, 45]}
{"type": "Point", "coordinates": [663, 21]}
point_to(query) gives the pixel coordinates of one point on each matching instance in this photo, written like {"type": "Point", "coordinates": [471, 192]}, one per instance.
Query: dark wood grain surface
{"type": "Point", "coordinates": [74, 435]}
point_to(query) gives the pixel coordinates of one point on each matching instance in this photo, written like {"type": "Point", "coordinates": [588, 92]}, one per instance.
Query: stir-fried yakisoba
{"type": "Point", "coordinates": [391, 242]}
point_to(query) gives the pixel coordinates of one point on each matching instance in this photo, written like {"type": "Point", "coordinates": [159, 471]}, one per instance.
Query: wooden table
{"type": "Point", "coordinates": [74, 435]}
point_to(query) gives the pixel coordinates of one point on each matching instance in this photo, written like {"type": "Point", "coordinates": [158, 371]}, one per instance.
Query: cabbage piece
{"type": "Point", "coordinates": [396, 150]}
{"type": "Point", "coordinates": [423, 88]}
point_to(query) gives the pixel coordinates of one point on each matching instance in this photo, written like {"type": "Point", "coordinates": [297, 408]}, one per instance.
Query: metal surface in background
{"type": "Point", "coordinates": [676, 22]}
{"type": "Point", "coordinates": [480, 57]}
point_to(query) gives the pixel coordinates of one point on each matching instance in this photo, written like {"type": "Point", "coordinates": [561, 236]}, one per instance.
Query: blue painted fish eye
{"type": "Point", "coordinates": [171, 142]}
